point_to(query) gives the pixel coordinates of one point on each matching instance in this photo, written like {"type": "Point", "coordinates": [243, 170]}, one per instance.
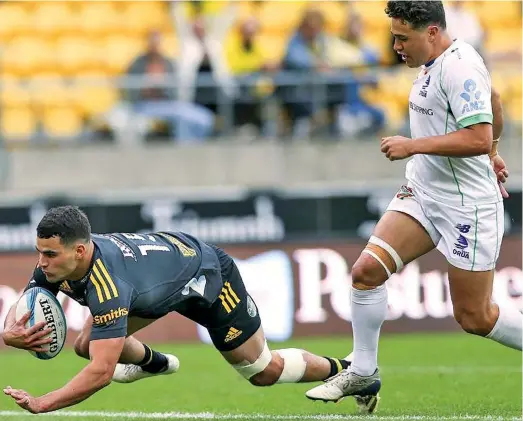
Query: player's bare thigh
{"type": "Point", "coordinates": [471, 300]}
{"type": "Point", "coordinates": [402, 233]}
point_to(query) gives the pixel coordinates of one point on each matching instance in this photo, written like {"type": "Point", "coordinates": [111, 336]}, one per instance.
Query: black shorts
{"type": "Point", "coordinates": [233, 318]}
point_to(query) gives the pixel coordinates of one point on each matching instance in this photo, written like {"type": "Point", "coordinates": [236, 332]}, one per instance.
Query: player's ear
{"type": "Point", "coordinates": [433, 30]}
{"type": "Point", "coordinates": [80, 251]}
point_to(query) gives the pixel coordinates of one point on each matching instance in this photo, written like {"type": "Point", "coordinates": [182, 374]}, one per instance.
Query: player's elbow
{"type": "Point", "coordinates": [481, 139]}
{"type": "Point", "coordinates": [103, 373]}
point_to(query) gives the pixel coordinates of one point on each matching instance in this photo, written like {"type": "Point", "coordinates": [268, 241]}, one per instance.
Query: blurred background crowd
{"type": "Point", "coordinates": [200, 71]}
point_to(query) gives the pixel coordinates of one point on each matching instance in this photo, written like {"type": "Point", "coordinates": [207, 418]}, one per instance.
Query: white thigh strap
{"type": "Point", "coordinates": [379, 242]}
{"type": "Point", "coordinates": [293, 365]}
{"type": "Point", "coordinates": [247, 370]}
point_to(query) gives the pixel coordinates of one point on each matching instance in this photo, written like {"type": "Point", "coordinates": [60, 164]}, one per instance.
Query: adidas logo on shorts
{"type": "Point", "coordinates": [232, 334]}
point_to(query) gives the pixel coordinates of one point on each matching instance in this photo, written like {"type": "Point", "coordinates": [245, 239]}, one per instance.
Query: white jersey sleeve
{"type": "Point", "coordinates": [468, 88]}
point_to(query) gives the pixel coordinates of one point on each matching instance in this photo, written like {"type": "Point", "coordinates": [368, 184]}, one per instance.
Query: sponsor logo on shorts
{"type": "Point", "coordinates": [461, 245]}
{"type": "Point", "coordinates": [405, 192]}
{"type": "Point", "coordinates": [109, 317]}
{"type": "Point", "coordinates": [232, 334]}
{"type": "Point", "coordinates": [251, 307]}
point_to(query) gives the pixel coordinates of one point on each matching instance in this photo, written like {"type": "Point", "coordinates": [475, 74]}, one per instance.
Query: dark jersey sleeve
{"type": "Point", "coordinates": [109, 300]}
{"type": "Point", "coordinates": [39, 280]}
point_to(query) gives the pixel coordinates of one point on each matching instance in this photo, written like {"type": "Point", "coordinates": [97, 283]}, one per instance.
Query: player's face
{"type": "Point", "coordinates": [56, 259]}
{"type": "Point", "coordinates": [413, 45]}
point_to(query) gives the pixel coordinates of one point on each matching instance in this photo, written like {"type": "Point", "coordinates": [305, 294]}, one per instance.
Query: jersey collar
{"type": "Point", "coordinates": [430, 63]}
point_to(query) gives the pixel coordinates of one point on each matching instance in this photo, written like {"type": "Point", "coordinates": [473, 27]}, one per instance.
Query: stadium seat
{"type": "Point", "coordinates": [76, 54]}
{"type": "Point", "coordinates": [28, 55]}
{"type": "Point", "coordinates": [18, 124]}
{"type": "Point", "coordinates": [92, 99]}
{"type": "Point", "coordinates": [140, 17]}
{"type": "Point", "coordinates": [494, 14]}
{"type": "Point", "coordinates": [62, 122]}
{"type": "Point", "coordinates": [14, 95]}
{"type": "Point", "coordinates": [14, 20]}
{"type": "Point", "coordinates": [336, 15]}
{"type": "Point", "coordinates": [49, 90]}
{"type": "Point", "coordinates": [504, 40]}
{"type": "Point", "coordinates": [119, 51]}
{"type": "Point", "coordinates": [53, 18]}
{"type": "Point", "coordinates": [99, 18]}
{"type": "Point", "coordinates": [274, 46]}
{"type": "Point", "coordinates": [281, 18]}
{"type": "Point", "coordinates": [170, 45]}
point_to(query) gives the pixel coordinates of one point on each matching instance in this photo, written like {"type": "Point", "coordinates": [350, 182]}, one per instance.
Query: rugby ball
{"type": "Point", "coordinates": [44, 307]}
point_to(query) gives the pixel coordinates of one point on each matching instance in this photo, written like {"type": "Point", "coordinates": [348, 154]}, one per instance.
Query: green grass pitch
{"type": "Point", "coordinates": [425, 377]}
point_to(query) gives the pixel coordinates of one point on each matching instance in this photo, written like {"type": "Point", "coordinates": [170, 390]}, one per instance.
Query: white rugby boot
{"type": "Point", "coordinates": [128, 373]}
{"type": "Point", "coordinates": [364, 389]}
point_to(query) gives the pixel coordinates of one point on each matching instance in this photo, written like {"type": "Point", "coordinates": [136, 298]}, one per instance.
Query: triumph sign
{"type": "Point", "coordinates": [303, 289]}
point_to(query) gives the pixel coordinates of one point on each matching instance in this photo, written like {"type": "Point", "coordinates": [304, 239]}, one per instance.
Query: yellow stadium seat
{"type": "Point", "coordinates": [246, 9]}
{"type": "Point", "coordinates": [75, 54]}
{"type": "Point", "coordinates": [140, 17]}
{"type": "Point", "coordinates": [514, 109]}
{"type": "Point", "coordinates": [499, 14]}
{"type": "Point", "coordinates": [335, 16]}
{"type": "Point", "coordinates": [119, 51]}
{"type": "Point", "coordinates": [49, 90]}
{"type": "Point", "coordinates": [62, 122]}
{"type": "Point", "coordinates": [53, 18]}
{"type": "Point", "coordinates": [99, 17]}
{"type": "Point", "coordinates": [94, 99]}
{"type": "Point", "coordinates": [14, 95]}
{"type": "Point", "coordinates": [372, 13]}
{"type": "Point", "coordinates": [504, 39]}
{"type": "Point", "coordinates": [273, 46]}
{"type": "Point", "coordinates": [27, 55]}
{"type": "Point", "coordinates": [18, 123]}
{"type": "Point", "coordinates": [499, 82]}
{"type": "Point", "coordinates": [281, 17]}
{"type": "Point", "coordinates": [13, 20]}
{"type": "Point", "coordinates": [169, 45]}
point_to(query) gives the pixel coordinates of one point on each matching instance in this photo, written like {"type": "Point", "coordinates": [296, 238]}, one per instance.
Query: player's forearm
{"type": "Point", "coordinates": [462, 143]}
{"type": "Point", "coordinates": [497, 112]}
{"type": "Point", "coordinates": [10, 319]}
{"type": "Point", "coordinates": [91, 379]}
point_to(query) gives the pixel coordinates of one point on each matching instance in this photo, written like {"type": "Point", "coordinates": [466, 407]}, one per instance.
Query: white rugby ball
{"type": "Point", "coordinates": [44, 307]}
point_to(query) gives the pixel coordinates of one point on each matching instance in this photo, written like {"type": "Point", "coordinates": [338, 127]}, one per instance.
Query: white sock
{"type": "Point", "coordinates": [508, 328]}
{"type": "Point", "coordinates": [369, 308]}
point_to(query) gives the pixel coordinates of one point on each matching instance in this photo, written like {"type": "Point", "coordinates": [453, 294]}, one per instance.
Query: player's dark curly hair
{"type": "Point", "coordinates": [419, 14]}
{"type": "Point", "coordinates": [67, 222]}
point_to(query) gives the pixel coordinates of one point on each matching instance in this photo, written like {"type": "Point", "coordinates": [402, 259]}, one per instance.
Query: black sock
{"type": "Point", "coordinates": [337, 365]}
{"type": "Point", "coordinates": [153, 361]}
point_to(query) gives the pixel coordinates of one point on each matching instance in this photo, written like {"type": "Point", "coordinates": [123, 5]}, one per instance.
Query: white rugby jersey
{"type": "Point", "coordinates": [452, 92]}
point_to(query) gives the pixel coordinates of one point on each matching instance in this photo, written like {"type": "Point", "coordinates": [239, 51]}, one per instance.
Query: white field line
{"type": "Point", "coordinates": [256, 416]}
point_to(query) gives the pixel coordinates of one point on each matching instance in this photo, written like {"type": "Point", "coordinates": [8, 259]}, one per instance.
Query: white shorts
{"type": "Point", "coordinates": [468, 236]}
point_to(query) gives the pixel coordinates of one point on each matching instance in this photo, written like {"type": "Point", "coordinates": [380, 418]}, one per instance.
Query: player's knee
{"type": "Point", "coordinates": [271, 373]}
{"type": "Point", "coordinates": [280, 366]}
{"type": "Point", "coordinates": [367, 273]}
{"type": "Point", "coordinates": [477, 321]}
{"type": "Point", "coordinates": [376, 264]}
{"type": "Point", "coordinates": [81, 346]}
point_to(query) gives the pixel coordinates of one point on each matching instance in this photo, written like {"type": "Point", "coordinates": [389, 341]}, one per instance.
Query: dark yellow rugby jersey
{"type": "Point", "coordinates": [142, 275]}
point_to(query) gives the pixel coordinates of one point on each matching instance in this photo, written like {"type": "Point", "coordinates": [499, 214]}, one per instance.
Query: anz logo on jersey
{"type": "Point", "coordinates": [472, 97]}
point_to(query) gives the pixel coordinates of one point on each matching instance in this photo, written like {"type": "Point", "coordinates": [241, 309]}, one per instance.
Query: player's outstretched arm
{"type": "Point", "coordinates": [95, 376]}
